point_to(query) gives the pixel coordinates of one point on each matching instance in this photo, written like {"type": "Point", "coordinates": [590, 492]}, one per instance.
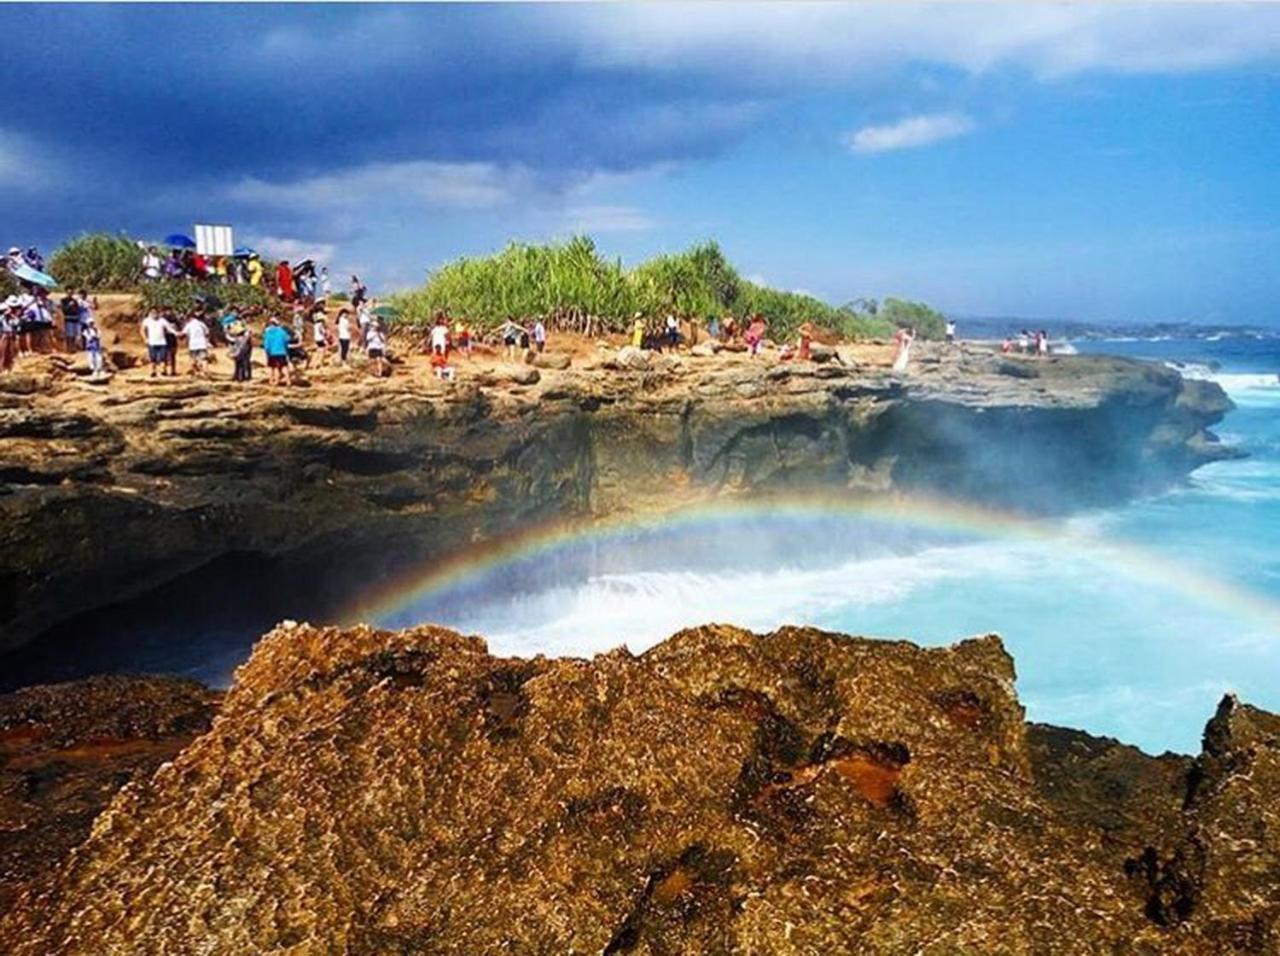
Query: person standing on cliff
{"type": "Point", "coordinates": [155, 331]}
{"type": "Point", "coordinates": [344, 335]}
{"type": "Point", "coordinates": [320, 335]}
{"type": "Point", "coordinates": [275, 342]}
{"type": "Point", "coordinates": [93, 348]}
{"type": "Point", "coordinates": [510, 333]}
{"type": "Point", "coordinates": [375, 344]}
{"type": "Point", "coordinates": [284, 281]}
{"type": "Point", "coordinates": [755, 335]}
{"type": "Point", "coordinates": [951, 332]}
{"type": "Point", "coordinates": [197, 335]}
{"type": "Point", "coordinates": [242, 352]}
{"type": "Point", "coordinates": [903, 338]}
{"type": "Point", "coordinates": [10, 318]}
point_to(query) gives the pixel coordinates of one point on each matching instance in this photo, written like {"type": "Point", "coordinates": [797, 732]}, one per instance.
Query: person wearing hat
{"type": "Point", "coordinates": [275, 342]}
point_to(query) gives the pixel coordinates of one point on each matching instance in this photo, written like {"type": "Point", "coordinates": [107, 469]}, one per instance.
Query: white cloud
{"type": "Point", "coordinates": [23, 165]}
{"type": "Point", "coordinates": [285, 247]}
{"type": "Point", "coordinates": [909, 132]}
{"type": "Point", "coordinates": [594, 219]}
{"type": "Point", "coordinates": [432, 184]}
{"type": "Point", "coordinates": [833, 41]}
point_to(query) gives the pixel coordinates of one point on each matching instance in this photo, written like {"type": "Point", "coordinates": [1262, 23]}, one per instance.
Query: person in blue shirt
{"type": "Point", "coordinates": [275, 342]}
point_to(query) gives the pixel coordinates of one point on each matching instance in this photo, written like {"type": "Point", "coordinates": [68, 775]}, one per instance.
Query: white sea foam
{"type": "Point", "coordinates": [643, 607]}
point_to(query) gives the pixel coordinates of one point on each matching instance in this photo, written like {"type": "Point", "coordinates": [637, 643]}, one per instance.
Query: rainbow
{"type": "Point", "coordinates": [890, 511]}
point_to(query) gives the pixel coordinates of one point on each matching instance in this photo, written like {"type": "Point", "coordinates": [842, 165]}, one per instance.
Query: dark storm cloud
{"type": "Point", "coordinates": [150, 113]}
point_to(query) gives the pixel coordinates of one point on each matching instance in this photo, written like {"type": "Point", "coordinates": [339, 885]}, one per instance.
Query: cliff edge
{"type": "Point", "coordinates": [106, 495]}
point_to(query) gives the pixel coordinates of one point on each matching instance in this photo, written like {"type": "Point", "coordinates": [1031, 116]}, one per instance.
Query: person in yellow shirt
{"type": "Point", "coordinates": [255, 271]}
{"type": "Point", "coordinates": [462, 337]}
{"type": "Point", "coordinates": [637, 331]}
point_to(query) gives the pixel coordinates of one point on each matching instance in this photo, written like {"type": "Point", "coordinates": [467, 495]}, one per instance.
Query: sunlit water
{"type": "Point", "coordinates": [1129, 622]}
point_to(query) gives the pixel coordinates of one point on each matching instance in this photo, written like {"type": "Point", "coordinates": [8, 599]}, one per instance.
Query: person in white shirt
{"type": "Point", "coordinates": [326, 287]}
{"type": "Point", "coordinates": [375, 344]}
{"type": "Point", "coordinates": [364, 318]}
{"type": "Point", "coordinates": [539, 335]}
{"type": "Point", "coordinates": [344, 335]}
{"type": "Point", "coordinates": [155, 329]}
{"type": "Point", "coordinates": [320, 335]}
{"type": "Point", "coordinates": [197, 335]}
{"type": "Point", "coordinates": [440, 338]}
{"type": "Point", "coordinates": [151, 264]}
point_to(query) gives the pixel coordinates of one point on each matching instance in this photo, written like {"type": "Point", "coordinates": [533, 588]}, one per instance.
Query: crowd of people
{"type": "Point", "coordinates": [298, 332]}
{"type": "Point", "coordinates": [302, 339]}
{"type": "Point", "coordinates": [303, 281]}
{"type": "Point", "coordinates": [1027, 343]}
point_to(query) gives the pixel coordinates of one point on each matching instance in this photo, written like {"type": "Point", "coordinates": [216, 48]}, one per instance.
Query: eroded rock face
{"type": "Point", "coordinates": [66, 749]}
{"type": "Point", "coordinates": [797, 792]}
{"type": "Point", "coordinates": [107, 495]}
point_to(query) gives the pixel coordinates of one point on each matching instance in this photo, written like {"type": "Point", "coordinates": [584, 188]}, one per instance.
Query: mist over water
{"type": "Point", "coordinates": [1103, 638]}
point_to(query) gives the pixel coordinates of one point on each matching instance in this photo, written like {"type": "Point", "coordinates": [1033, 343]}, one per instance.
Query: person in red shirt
{"type": "Point", "coordinates": [284, 280]}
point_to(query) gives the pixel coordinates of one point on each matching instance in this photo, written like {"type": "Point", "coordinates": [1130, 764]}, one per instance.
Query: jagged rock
{"type": "Point", "coordinates": [797, 792]}
{"type": "Point", "coordinates": [631, 358]}
{"type": "Point", "coordinates": [552, 360]}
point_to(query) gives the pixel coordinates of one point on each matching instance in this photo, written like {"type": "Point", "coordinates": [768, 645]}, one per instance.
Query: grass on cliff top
{"type": "Point", "coordinates": [574, 287]}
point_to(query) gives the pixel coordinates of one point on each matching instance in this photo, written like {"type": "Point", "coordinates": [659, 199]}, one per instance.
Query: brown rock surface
{"type": "Point", "coordinates": [66, 749]}
{"type": "Point", "coordinates": [365, 791]}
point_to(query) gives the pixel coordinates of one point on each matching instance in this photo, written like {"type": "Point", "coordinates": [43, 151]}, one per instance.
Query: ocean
{"type": "Point", "coordinates": [1128, 622]}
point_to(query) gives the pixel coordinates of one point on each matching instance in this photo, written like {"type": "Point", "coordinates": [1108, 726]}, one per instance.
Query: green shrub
{"type": "Point", "coordinates": [928, 323]}
{"type": "Point", "coordinates": [181, 296]}
{"type": "Point", "coordinates": [572, 285]}
{"type": "Point", "coordinates": [98, 261]}
{"type": "Point", "coordinates": [8, 284]}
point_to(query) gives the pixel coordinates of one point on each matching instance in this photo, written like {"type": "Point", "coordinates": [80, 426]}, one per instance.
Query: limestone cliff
{"type": "Point", "coordinates": [797, 792]}
{"type": "Point", "coordinates": [108, 494]}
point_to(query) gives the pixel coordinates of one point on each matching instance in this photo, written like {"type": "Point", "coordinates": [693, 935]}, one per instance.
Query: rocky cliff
{"type": "Point", "coordinates": [364, 791]}
{"type": "Point", "coordinates": [107, 494]}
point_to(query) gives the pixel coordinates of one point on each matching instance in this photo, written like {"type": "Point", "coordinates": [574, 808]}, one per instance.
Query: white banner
{"type": "Point", "coordinates": [214, 240]}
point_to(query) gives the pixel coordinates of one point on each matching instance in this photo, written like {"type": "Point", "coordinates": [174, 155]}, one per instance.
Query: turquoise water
{"type": "Point", "coordinates": [1129, 622]}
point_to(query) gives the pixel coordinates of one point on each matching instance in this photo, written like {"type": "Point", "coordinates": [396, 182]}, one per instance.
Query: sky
{"type": "Point", "coordinates": [1103, 162]}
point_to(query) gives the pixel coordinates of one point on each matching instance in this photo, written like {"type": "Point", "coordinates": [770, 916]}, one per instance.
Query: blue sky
{"type": "Point", "coordinates": [1100, 162]}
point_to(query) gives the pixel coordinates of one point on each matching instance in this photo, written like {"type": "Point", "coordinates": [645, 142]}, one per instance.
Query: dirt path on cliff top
{"type": "Point", "coordinates": [119, 316]}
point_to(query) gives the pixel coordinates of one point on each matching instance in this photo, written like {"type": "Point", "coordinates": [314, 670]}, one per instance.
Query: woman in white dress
{"type": "Point", "coordinates": [904, 338]}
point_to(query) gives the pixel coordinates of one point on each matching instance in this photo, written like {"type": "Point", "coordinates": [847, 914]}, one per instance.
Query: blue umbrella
{"type": "Point", "coordinates": [245, 251]}
{"type": "Point", "coordinates": [179, 241]}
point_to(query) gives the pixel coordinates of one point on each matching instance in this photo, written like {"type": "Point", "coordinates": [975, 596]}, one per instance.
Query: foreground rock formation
{"type": "Point", "coordinates": [797, 792]}
{"type": "Point", "coordinates": [104, 495]}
